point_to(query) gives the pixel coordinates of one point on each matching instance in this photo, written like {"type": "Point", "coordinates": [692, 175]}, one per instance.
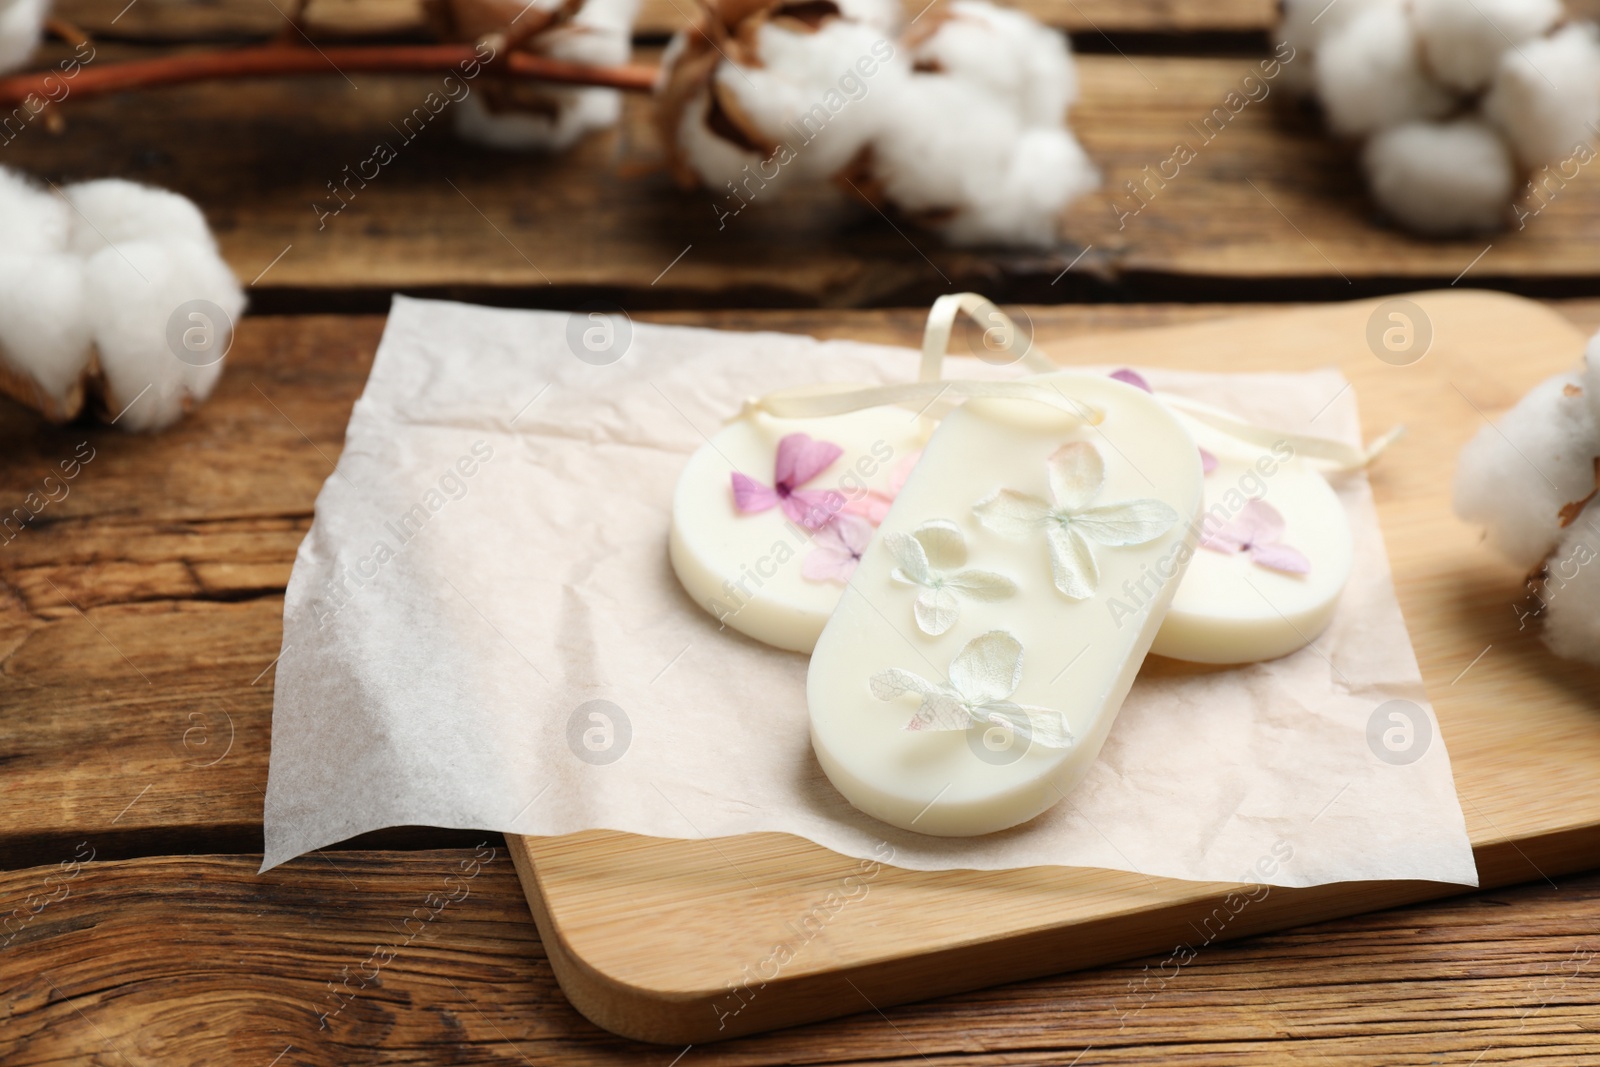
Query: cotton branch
{"type": "Point", "coordinates": [275, 61]}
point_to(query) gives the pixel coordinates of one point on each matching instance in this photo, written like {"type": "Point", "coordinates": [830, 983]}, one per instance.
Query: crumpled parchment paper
{"type": "Point", "coordinates": [489, 559]}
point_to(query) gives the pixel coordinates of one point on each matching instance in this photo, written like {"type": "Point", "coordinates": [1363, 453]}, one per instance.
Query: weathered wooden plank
{"type": "Point", "coordinates": [432, 957]}
{"type": "Point", "coordinates": [139, 612]}
{"type": "Point", "coordinates": [200, 20]}
{"type": "Point", "coordinates": [1267, 206]}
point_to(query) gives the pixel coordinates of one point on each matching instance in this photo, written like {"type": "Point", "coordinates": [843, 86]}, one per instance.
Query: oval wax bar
{"type": "Point", "coordinates": [1067, 657]}
{"type": "Point", "coordinates": [1234, 605]}
{"type": "Point", "coordinates": [746, 568]}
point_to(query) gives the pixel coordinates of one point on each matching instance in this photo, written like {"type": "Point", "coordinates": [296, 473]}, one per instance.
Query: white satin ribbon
{"type": "Point", "coordinates": [933, 396]}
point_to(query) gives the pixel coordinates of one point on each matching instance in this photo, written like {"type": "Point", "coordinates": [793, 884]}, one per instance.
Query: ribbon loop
{"type": "Point", "coordinates": [933, 396]}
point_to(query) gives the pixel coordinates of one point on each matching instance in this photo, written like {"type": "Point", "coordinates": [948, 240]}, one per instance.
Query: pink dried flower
{"type": "Point", "coordinates": [1257, 529]}
{"type": "Point", "coordinates": [799, 460]}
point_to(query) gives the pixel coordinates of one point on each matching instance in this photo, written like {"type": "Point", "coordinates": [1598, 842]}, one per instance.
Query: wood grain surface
{"type": "Point", "coordinates": [140, 613]}
{"type": "Point", "coordinates": [412, 958]}
{"type": "Point", "coordinates": [1267, 201]}
{"type": "Point", "coordinates": [176, 548]}
{"type": "Point", "coordinates": [184, 20]}
{"type": "Point", "coordinates": [223, 20]}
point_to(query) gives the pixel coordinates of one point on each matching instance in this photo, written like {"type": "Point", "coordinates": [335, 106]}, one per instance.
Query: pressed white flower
{"type": "Point", "coordinates": [983, 676]}
{"type": "Point", "coordinates": [931, 557]}
{"type": "Point", "coordinates": [1070, 524]}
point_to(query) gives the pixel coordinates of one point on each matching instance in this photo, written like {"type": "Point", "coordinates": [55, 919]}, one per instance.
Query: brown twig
{"type": "Point", "coordinates": [67, 31]}
{"type": "Point", "coordinates": [276, 61]}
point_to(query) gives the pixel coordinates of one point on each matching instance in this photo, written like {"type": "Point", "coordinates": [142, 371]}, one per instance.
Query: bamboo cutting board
{"type": "Point", "coordinates": [692, 941]}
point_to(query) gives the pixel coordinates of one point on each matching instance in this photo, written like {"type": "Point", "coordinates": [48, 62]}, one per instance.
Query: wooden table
{"type": "Point", "coordinates": [140, 615]}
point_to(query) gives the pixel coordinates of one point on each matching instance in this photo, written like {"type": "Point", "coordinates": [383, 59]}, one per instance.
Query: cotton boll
{"type": "Point", "coordinates": [576, 113]}
{"type": "Point", "coordinates": [32, 219]}
{"type": "Point", "coordinates": [706, 155]}
{"type": "Point", "coordinates": [88, 282]}
{"type": "Point", "coordinates": [1006, 52]}
{"type": "Point", "coordinates": [21, 26]}
{"type": "Point", "coordinates": [44, 332]}
{"type": "Point", "coordinates": [1463, 40]}
{"type": "Point", "coordinates": [1514, 478]}
{"type": "Point", "coordinates": [522, 116]}
{"type": "Point", "coordinates": [1571, 591]}
{"type": "Point", "coordinates": [942, 140]}
{"type": "Point", "coordinates": [111, 211]}
{"type": "Point", "coordinates": [1369, 75]}
{"type": "Point", "coordinates": [1048, 169]}
{"type": "Point", "coordinates": [131, 291]}
{"type": "Point", "coordinates": [808, 94]}
{"type": "Point", "coordinates": [1305, 24]}
{"type": "Point", "coordinates": [1546, 94]}
{"type": "Point", "coordinates": [794, 94]}
{"type": "Point", "coordinates": [44, 340]}
{"type": "Point", "coordinates": [961, 161]}
{"type": "Point", "coordinates": [760, 95]}
{"type": "Point", "coordinates": [1441, 178]}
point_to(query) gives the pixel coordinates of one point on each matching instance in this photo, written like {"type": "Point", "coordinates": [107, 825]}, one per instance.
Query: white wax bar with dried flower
{"type": "Point", "coordinates": [1275, 553]}
{"type": "Point", "coordinates": [770, 515]}
{"type": "Point", "coordinates": [972, 668]}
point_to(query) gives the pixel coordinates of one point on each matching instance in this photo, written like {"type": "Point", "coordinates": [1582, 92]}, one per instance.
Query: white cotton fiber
{"type": "Point", "coordinates": [44, 330]}
{"type": "Point", "coordinates": [1441, 178]}
{"type": "Point", "coordinates": [808, 94]}
{"type": "Point", "coordinates": [1591, 376]}
{"type": "Point", "coordinates": [44, 335]}
{"type": "Point", "coordinates": [21, 25]}
{"type": "Point", "coordinates": [132, 290]}
{"type": "Point", "coordinates": [1007, 53]}
{"type": "Point", "coordinates": [973, 142]}
{"type": "Point", "coordinates": [148, 251]}
{"type": "Point", "coordinates": [111, 211]}
{"type": "Point", "coordinates": [1305, 24]}
{"type": "Point", "coordinates": [1047, 170]}
{"type": "Point", "coordinates": [1571, 591]}
{"type": "Point", "coordinates": [1546, 95]}
{"type": "Point", "coordinates": [1457, 101]}
{"type": "Point", "coordinates": [32, 218]}
{"type": "Point", "coordinates": [577, 112]}
{"type": "Point", "coordinates": [1528, 482]}
{"type": "Point", "coordinates": [1369, 75]}
{"type": "Point", "coordinates": [943, 140]}
{"type": "Point", "coordinates": [600, 35]}
{"type": "Point", "coordinates": [963, 159]}
{"type": "Point", "coordinates": [803, 107]}
{"type": "Point", "coordinates": [89, 282]}
{"type": "Point", "coordinates": [713, 158]}
{"type": "Point", "coordinates": [1513, 478]}
{"type": "Point", "coordinates": [1463, 40]}
{"type": "Point", "coordinates": [882, 15]}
